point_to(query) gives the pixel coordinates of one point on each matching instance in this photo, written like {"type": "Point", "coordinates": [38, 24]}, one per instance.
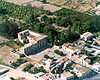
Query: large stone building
{"type": "Point", "coordinates": [32, 40]}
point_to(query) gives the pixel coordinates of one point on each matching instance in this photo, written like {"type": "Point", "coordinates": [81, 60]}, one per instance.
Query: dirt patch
{"type": "Point", "coordinates": [19, 2]}
{"type": "Point", "coordinates": [37, 4]}
{"type": "Point", "coordinates": [78, 5]}
{"type": "Point", "coordinates": [51, 8]}
{"type": "Point", "coordinates": [5, 55]}
{"type": "Point", "coordinates": [58, 2]}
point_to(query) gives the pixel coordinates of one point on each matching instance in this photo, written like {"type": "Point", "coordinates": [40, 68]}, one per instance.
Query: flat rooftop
{"type": "Point", "coordinates": [67, 74]}
{"type": "Point", "coordinates": [80, 68]}
{"type": "Point", "coordinates": [34, 35]}
{"type": "Point", "coordinates": [87, 34]}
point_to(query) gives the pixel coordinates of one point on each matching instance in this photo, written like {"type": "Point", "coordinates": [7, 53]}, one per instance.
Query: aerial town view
{"type": "Point", "coordinates": [49, 39]}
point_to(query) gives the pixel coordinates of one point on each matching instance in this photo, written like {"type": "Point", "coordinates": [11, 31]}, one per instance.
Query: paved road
{"type": "Point", "coordinates": [15, 73]}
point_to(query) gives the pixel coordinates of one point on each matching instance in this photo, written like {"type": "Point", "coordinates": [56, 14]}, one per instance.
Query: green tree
{"type": "Point", "coordinates": [9, 29]}
{"type": "Point", "coordinates": [62, 38]}
{"type": "Point", "coordinates": [86, 27]}
{"type": "Point", "coordinates": [38, 27]}
{"type": "Point", "coordinates": [42, 70]}
{"type": "Point", "coordinates": [46, 56]}
{"type": "Point", "coordinates": [36, 70]}
{"type": "Point", "coordinates": [49, 20]}
{"type": "Point", "coordinates": [0, 9]}
{"type": "Point", "coordinates": [44, 1]}
{"type": "Point", "coordinates": [44, 18]}
{"type": "Point", "coordinates": [46, 29]}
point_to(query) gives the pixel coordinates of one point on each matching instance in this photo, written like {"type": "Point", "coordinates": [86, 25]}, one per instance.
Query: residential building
{"type": "Point", "coordinates": [80, 71]}
{"type": "Point", "coordinates": [52, 66]}
{"type": "Point", "coordinates": [70, 49]}
{"type": "Point", "coordinates": [97, 10]}
{"type": "Point", "coordinates": [4, 77]}
{"type": "Point", "coordinates": [81, 59]}
{"type": "Point", "coordinates": [97, 41]}
{"type": "Point", "coordinates": [96, 67]}
{"type": "Point", "coordinates": [47, 64]}
{"type": "Point", "coordinates": [79, 42]}
{"type": "Point", "coordinates": [38, 75]}
{"type": "Point", "coordinates": [3, 72]}
{"type": "Point", "coordinates": [67, 76]}
{"type": "Point", "coordinates": [96, 53]}
{"type": "Point", "coordinates": [32, 40]}
{"type": "Point", "coordinates": [42, 76]}
{"type": "Point", "coordinates": [48, 76]}
{"type": "Point", "coordinates": [86, 36]}
{"type": "Point", "coordinates": [87, 62]}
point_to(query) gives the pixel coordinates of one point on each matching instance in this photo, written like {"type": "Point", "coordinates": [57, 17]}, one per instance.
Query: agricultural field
{"type": "Point", "coordinates": [19, 2]}
{"type": "Point", "coordinates": [78, 5]}
{"type": "Point", "coordinates": [57, 2]}
{"type": "Point", "coordinates": [33, 3]}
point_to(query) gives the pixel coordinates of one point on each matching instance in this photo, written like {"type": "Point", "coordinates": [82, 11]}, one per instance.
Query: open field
{"type": "Point", "coordinates": [50, 7]}
{"type": "Point", "coordinates": [58, 2]}
{"type": "Point", "coordinates": [19, 2]}
{"type": "Point", "coordinates": [78, 5]}
{"type": "Point", "coordinates": [5, 55]}
{"type": "Point", "coordinates": [38, 4]}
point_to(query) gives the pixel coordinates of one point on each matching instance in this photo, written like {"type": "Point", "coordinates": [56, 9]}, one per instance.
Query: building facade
{"type": "Point", "coordinates": [33, 41]}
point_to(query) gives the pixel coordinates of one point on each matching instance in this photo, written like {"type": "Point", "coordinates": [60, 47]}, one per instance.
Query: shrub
{"type": "Point", "coordinates": [27, 68]}
{"type": "Point", "coordinates": [58, 52]}
{"type": "Point", "coordinates": [46, 56]}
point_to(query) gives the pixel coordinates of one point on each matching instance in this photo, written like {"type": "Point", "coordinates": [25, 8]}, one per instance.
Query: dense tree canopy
{"type": "Point", "coordinates": [9, 29]}
{"type": "Point", "coordinates": [75, 22]}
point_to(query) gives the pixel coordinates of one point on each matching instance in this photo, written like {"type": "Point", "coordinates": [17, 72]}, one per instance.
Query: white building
{"type": "Point", "coordinates": [4, 77]}
{"type": "Point", "coordinates": [32, 40]}
{"type": "Point", "coordinates": [38, 75]}
{"type": "Point", "coordinates": [48, 76]}
{"type": "Point", "coordinates": [97, 9]}
{"type": "Point", "coordinates": [96, 67]}
{"type": "Point", "coordinates": [80, 70]}
{"type": "Point", "coordinates": [67, 76]}
{"type": "Point", "coordinates": [47, 64]}
{"type": "Point", "coordinates": [97, 41]}
{"type": "Point", "coordinates": [68, 47]}
{"type": "Point", "coordinates": [86, 36]}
